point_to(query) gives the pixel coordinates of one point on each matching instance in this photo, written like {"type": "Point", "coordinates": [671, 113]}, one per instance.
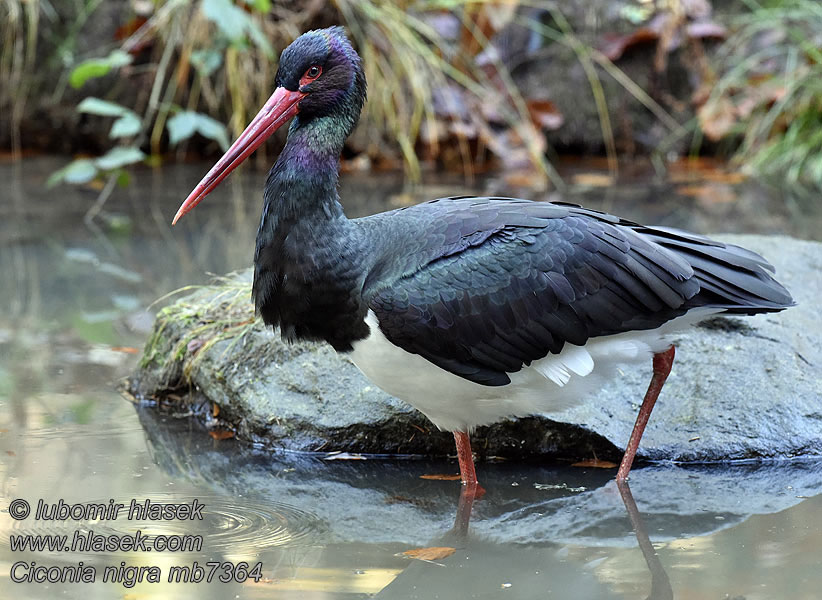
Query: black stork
{"type": "Point", "coordinates": [471, 309]}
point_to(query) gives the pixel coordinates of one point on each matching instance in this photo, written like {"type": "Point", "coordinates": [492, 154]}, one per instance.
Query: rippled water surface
{"type": "Point", "coordinates": [75, 300]}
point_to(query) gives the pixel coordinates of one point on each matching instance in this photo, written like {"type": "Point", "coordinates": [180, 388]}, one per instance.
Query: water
{"type": "Point", "coordinates": [75, 299]}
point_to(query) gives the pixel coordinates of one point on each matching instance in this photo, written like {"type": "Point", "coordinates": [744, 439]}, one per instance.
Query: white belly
{"type": "Point", "coordinates": [550, 384]}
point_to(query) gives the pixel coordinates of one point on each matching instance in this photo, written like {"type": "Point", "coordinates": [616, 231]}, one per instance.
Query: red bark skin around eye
{"type": "Point", "coordinates": [306, 78]}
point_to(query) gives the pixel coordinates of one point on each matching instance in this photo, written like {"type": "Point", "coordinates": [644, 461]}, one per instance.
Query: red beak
{"type": "Point", "coordinates": [280, 107]}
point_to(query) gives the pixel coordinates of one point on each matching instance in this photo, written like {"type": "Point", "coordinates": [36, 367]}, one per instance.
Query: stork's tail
{"type": "Point", "coordinates": [731, 277]}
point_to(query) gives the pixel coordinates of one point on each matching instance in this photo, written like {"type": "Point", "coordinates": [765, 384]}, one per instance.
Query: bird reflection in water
{"type": "Point", "coordinates": [660, 583]}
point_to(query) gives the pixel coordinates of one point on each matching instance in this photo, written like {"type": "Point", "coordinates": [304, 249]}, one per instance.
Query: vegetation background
{"type": "Point", "coordinates": [467, 86]}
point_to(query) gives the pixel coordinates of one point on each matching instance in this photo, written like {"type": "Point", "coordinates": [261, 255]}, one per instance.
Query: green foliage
{"type": "Point", "coordinates": [771, 99]}
{"type": "Point", "coordinates": [186, 123]}
{"type": "Point", "coordinates": [236, 24]}
{"type": "Point", "coordinates": [119, 157]}
{"type": "Point", "coordinates": [127, 124]}
{"type": "Point", "coordinates": [83, 170]}
{"type": "Point", "coordinates": [207, 61]}
{"type": "Point", "coordinates": [97, 67]}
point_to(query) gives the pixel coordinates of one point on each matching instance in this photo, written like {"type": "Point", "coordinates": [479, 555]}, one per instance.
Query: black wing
{"type": "Point", "coordinates": [495, 299]}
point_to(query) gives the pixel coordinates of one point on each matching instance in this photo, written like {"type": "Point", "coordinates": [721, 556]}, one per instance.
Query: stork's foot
{"type": "Point", "coordinates": [663, 361]}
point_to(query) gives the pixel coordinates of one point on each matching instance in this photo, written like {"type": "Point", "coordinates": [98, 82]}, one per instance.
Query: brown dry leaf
{"type": "Point", "coordinates": [441, 477]}
{"type": "Point", "coordinates": [614, 46]}
{"type": "Point", "coordinates": [731, 178]}
{"type": "Point", "coordinates": [694, 191]}
{"type": "Point", "coordinates": [215, 409]}
{"type": "Point", "coordinates": [593, 179]}
{"type": "Point", "coordinates": [11, 452]}
{"type": "Point", "coordinates": [126, 349]}
{"type": "Point", "coordinates": [526, 178]}
{"type": "Point", "coordinates": [702, 169]}
{"type": "Point", "coordinates": [432, 553]}
{"type": "Point", "coordinates": [595, 463]}
{"type": "Point", "coordinates": [545, 114]}
{"type": "Point", "coordinates": [221, 434]}
{"type": "Point", "coordinates": [717, 118]}
{"type": "Point", "coordinates": [759, 95]}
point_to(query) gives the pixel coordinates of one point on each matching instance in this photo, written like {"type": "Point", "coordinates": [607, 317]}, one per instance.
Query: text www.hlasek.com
{"type": "Point", "coordinates": [32, 571]}
{"type": "Point", "coordinates": [93, 542]}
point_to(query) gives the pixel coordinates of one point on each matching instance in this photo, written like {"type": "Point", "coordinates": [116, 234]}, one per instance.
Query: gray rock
{"type": "Point", "coordinates": [744, 388]}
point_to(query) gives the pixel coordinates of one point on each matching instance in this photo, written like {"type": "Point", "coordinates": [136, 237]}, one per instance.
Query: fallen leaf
{"type": "Point", "coordinates": [545, 114]}
{"type": "Point", "coordinates": [595, 463]}
{"type": "Point", "coordinates": [11, 452]}
{"type": "Point", "coordinates": [344, 456]}
{"type": "Point", "coordinates": [441, 477]}
{"type": "Point", "coordinates": [593, 179]}
{"type": "Point", "coordinates": [221, 434]}
{"type": "Point", "coordinates": [126, 349]}
{"type": "Point", "coordinates": [665, 28]}
{"type": "Point", "coordinates": [701, 170]}
{"type": "Point", "coordinates": [432, 553]}
{"type": "Point", "coordinates": [215, 409]}
{"type": "Point", "coordinates": [526, 178]}
{"type": "Point", "coordinates": [717, 118]}
{"type": "Point", "coordinates": [614, 46]}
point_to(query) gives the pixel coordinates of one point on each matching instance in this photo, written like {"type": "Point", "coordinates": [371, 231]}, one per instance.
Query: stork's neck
{"type": "Point", "coordinates": [302, 184]}
{"type": "Point", "coordinates": [308, 263]}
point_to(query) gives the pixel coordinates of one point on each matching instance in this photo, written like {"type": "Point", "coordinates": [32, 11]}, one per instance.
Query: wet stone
{"type": "Point", "coordinates": [741, 388]}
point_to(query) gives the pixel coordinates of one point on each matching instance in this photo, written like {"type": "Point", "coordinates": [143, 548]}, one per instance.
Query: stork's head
{"type": "Point", "coordinates": [320, 76]}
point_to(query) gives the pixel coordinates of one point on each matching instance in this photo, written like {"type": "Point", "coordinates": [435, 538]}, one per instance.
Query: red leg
{"type": "Point", "coordinates": [466, 458]}
{"type": "Point", "coordinates": [662, 367]}
{"type": "Point", "coordinates": [471, 489]}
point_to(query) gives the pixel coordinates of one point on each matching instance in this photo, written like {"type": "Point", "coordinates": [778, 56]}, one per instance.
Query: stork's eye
{"type": "Point", "coordinates": [313, 72]}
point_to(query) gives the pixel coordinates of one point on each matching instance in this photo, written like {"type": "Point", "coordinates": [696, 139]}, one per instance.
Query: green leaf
{"type": "Point", "coordinates": [97, 67]}
{"type": "Point", "coordinates": [119, 157]}
{"type": "Point", "coordinates": [125, 126]}
{"type": "Point", "coordinates": [230, 19]}
{"type": "Point", "coordinates": [181, 126]}
{"type": "Point", "coordinates": [104, 108]}
{"type": "Point", "coordinates": [258, 37]}
{"type": "Point", "coordinates": [213, 130]}
{"type": "Point", "coordinates": [206, 61]}
{"type": "Point", "coordinates": [81, 170]}
{"type": "Point", "coordinates": [186, 123]}
{"type": "Point", "coordinates": [262, 6]}
{"type": "Point", "coordinates": [123, 178]}
{"type": "Point", "coordinates": [235, 23]}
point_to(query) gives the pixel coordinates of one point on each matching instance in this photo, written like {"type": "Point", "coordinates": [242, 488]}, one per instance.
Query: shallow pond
{"type": "Point", "coordinates": [75, 299]}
